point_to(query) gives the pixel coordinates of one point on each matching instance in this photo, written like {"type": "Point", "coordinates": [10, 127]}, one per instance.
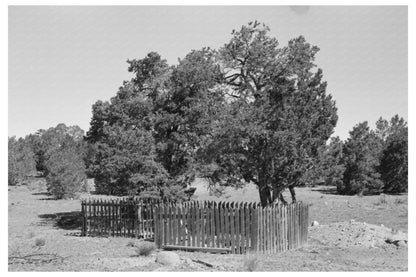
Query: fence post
{"type": "Point", "coordinates": [83, 229]}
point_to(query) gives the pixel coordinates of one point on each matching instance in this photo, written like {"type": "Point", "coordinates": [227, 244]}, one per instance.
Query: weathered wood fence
{"type": "Point", "coordinates": [237, 227]}
{"type": "Point", "coordinates": [120, 217]}
{"type": "Point", "coordinates": [218, 226]}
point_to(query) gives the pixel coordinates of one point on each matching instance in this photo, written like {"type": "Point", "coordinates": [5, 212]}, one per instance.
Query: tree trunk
{"type": "Point", "coordinates": [265, 197]}
{"type": "Point", "coordinates": [292, 193]}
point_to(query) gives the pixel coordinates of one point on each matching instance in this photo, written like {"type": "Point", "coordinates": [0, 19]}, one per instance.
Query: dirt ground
{"type": "Point", "coordinates": [351, 236]}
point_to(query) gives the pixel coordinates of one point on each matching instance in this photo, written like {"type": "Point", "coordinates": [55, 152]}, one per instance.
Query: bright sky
{"type": "Point", "coordinates": [63, 59]}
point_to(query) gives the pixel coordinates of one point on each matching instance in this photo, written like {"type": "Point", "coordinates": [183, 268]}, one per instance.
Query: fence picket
{"type": "Point", "coordinates": [212, 225]}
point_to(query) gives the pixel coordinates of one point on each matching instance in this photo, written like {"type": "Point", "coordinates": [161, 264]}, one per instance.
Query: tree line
{"type": "Point", "coordinates": [251, 111]}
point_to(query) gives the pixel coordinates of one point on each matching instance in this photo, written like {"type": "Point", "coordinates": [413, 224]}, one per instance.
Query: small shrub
{"type": "Point", "coordinates": [251, 263]}
{"type": "Point", "coordinates": [144, 248]}
{"type": "Point", "coordinates": [40, 242]}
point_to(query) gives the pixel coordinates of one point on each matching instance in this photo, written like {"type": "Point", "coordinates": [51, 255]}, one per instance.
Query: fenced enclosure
{"type": "Point", "coordinates": [211, 226]}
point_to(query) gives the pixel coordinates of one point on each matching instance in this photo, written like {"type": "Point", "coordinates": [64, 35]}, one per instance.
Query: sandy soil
{"type": "Point", "coordinates": [44, 236]}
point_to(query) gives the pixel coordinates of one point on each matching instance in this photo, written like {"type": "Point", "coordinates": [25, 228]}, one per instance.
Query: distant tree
{"type": "Point", "coordinates": [66, 170]}
{"type": "Point", "coordinates": [21, 161]}
{"type": "Point", "coordinates": [394, 158]}
{"type": "Point", "coordinates": [361, 159]}
{"type": "Point", "coordinates": [44, 142]}
{"type": "Point", "coordinates": [278, 116]}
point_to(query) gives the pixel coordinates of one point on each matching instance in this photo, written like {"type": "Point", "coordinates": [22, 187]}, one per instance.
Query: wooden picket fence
{"type": "Point", "coordinates": [232, 227]}
{"type": "Point", "coordinates": [226, 227]}
{"type": "Point", "coordinates": [118, 217]}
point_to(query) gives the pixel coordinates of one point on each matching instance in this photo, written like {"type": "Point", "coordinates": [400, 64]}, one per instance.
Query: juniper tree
{"type": "Point", "coordinates": [21, 160]}
{"type": "Point", "coordinates": [162, 116]}
{"type": "Point", "coordinates": [279, 113]}
{"type": "Point", "coordinates": [361, 158]}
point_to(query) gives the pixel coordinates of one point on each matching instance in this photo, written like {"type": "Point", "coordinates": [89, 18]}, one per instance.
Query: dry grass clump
{"type": "Point", "coordinates": [145, 248]}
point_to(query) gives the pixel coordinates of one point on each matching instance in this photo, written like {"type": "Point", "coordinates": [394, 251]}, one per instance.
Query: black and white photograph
{"type": "Point", "coordinates": [206, 138]}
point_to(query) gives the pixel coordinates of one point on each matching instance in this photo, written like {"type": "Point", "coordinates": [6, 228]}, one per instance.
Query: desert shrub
{"type": "Point", "coordinates": [40, 242]}
{"type": "Point", "coordinates": [66, 172]}
{"type": "Point", "coordinates": [144, 248]}
{"type": "Point", "coordinates": [251, 263]}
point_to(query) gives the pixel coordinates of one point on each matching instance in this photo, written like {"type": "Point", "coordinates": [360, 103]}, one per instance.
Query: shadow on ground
{"type": "Point", "coordinates": [329, 190]}
{"type": "Point", "coordinates": [66, 221]}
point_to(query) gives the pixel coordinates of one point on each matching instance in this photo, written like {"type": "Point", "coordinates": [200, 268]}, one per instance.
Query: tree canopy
{"type": "Point", "coordinates": [250, 111]}
{"type": "Point", "coordinates": [278, 117]}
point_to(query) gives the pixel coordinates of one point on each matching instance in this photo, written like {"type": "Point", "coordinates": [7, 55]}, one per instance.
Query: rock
{"type": "Point", "coordinates": [167, 258]}
{"type": "Point", "coordinates": [401, 243]}
{"type": "Point", "coordinates": [315, 223]}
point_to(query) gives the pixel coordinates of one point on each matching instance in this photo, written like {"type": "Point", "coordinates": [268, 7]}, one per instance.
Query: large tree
{"type": "Point", "coordinates": [278, 116]}
{"type": "Point", "coordinates": [146, 138]}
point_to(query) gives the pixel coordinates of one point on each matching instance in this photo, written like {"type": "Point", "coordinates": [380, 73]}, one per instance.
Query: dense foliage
{"type": "Point", "coordinates": [278, 117]}
{"type": "Point", "coordinates": [394, 158]}
{"type": "Point", "coordinates": [44, 142]}
{"type": "Point", "coordinates": [57, 153]}
{"type": "Point", "coordinates": [21, 161]}
{"type": "Point", "coordinates": [376, 160]}
{"type": "Point", "coordinates": [66, 176]}
{"type": "Point", "coordinates": [145, 139]}
{"type": "Point", "coordinates": [361, 152]}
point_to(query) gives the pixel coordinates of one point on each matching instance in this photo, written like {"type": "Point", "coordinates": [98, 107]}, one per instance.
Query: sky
{"type": "Point", "coordinates": [62, 59]}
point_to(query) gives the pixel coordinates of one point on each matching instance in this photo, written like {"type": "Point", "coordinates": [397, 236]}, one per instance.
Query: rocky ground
{"type": "Point", "coordinates": [44, 236]}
